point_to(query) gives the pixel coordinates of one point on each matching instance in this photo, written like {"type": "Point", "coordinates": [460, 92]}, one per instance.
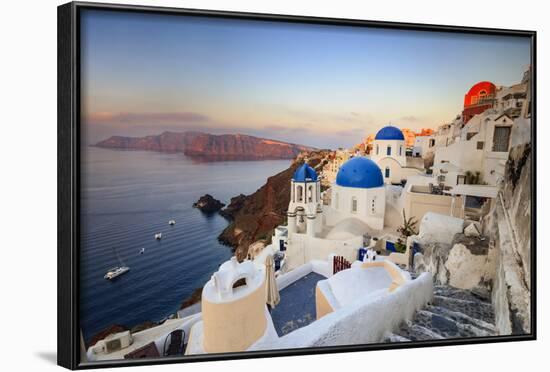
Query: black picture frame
{"type": "Point", "coordinates": [68, 337]}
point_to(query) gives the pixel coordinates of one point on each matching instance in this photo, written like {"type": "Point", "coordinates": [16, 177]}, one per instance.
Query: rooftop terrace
{"type": "Point", "coordinates": [297, 306]}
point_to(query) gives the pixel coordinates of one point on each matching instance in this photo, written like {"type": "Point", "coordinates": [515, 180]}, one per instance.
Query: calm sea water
{"type": "Point", "coordinates": [127, 197]}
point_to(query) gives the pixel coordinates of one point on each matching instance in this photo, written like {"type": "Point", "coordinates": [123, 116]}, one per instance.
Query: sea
{"type": "Point", "coordinates": [129, 196]}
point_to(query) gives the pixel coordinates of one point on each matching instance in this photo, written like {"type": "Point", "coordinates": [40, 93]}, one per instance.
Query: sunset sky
{"type": "Point", "coordinates": [325, 86]}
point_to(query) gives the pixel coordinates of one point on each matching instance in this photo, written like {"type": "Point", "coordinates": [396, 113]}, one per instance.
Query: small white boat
{"type": "Point", "coordinates": [142, 251]}
{"type": "Point", "coordinates": [172, 222]}
{"type": "Point", "coordinates": [116, 271]}
{"type": "Point", "coordinates": [158, 236]}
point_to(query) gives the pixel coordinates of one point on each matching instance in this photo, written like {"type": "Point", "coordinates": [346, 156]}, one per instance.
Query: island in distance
{"type": "Point", "coordinates": [209, 146]}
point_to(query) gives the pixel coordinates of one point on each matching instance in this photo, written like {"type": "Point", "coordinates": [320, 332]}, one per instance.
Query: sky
{"type": "Point", "coordinates": [318, 85]}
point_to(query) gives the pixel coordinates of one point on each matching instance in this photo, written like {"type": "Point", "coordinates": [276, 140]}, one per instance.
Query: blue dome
{"type": "Point", "coordinates": [360, 172]}
{"type": "Point", "coordinates": [390, 133]}
{"type": "Point", "coordinates": [304, 174]}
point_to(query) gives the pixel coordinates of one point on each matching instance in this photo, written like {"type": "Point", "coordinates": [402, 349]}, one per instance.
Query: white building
{"type": "Point", "coordinates": [423, 145]}
{"type": "Point", "coordinates": [510, 100]}
{"type": "Point", "coordinates": [333, 166]}
{"type": "Point", "coordinates": [482, 146]}
{"type": "Point", "coordinates": [389, 142]}
{"type": "Point", "coordinates": [305, 202]}
{"type": "Point", "coordinates": [359, 193]}
{"type": "Point", "coordinates": [389, 153]}
{"type": "Point", "coordinates": [357, 208]}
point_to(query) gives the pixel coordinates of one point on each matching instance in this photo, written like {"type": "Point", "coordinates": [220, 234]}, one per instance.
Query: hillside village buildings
{"type": "Point", "coordinates": [329, 237]}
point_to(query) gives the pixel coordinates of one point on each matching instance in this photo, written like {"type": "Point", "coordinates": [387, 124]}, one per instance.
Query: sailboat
{"type": "Point", "coordinates": [117, 270]}
{"type": "Point", "coordinates": [158, 236]}
{"type": "Point", "coordinates": [172, 222]}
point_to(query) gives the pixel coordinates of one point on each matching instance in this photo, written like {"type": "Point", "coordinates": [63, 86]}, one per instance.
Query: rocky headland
{"type": "Point", "coordinates": [236, 203]}
{"type": "Point", "coordinates": [209, 146]}
{"type": "Point", "coordinates": [208, 204]}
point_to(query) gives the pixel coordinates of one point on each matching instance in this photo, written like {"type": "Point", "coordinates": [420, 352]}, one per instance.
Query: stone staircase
{"type": "Point", "coordinates": [453, 313]}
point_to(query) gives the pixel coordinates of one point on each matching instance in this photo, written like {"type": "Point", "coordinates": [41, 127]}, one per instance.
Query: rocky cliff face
{"type": "Point", "coordinates": [509, 226]}
{"type": "Point", "coordinates": [255, 216]}
{"type": "Point", "coordinates": [499, 264]}
{"type": "Point", "coordinates": [223, 147]}
{"type": "Point", "coordinates": [467, 263]}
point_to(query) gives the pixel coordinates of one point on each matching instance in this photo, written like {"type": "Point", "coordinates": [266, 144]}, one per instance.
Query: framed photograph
{"type": "Point", "coordinates": [236, 185]}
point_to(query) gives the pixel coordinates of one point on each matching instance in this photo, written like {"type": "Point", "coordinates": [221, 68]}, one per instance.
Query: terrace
{"type": "Point", "coordinates": [297, 306]}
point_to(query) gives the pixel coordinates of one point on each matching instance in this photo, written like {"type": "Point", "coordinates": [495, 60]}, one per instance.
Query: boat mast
{"type": "Point", "coordinates": [118, 257]}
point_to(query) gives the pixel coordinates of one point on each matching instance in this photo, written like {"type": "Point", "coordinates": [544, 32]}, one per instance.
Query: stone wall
{"type": "Point", "coordinates": [509, 227]}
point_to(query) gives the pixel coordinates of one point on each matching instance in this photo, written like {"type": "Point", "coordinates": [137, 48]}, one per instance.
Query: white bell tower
{"type": "Point", "coordinates": [305, 201]}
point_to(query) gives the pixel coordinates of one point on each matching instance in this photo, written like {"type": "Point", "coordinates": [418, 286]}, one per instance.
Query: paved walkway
{"type": "Point", "coordinates": [297, 306]}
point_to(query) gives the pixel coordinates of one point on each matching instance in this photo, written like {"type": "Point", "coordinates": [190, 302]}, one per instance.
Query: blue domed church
{"type": "Point", "coordinates": [357, 208]}
{"type": "Point", "coordinates": [359, 192]}
{"type": "Point", "coordinates": [389, 153]}
{"type": "Point", "coordinates": [305, 202]}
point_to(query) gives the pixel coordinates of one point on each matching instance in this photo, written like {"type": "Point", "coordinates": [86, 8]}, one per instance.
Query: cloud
{"type": "Point", "coordinates": [410, 118]}
{"type": "Point", "coordinates": [301, 129]}
{"type": "Point", "coordinates": [359, 133]}
{"type": "Point", "coordinates": [146, 117]}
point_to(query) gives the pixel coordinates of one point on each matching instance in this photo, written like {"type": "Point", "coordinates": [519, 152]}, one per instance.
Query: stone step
{"type": "Point", "coordinates": [416, 332]}
{"type": "Point", "coordinates": [463, 294]}
{"type": "Point", "coordinates": [474, 309]}
{"type": "Point", "coordinates": [453, 313]}
{"type": "Point", "coordinates": [447, 327]}
{"type": "Point", "coordinates": [458, 317]}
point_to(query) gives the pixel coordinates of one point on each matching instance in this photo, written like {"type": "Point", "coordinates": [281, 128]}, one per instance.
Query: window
{"type": "Point", "coordinates": [432, 142]}
{"type": "Point", "coordinates": [501, 139]}
{"type": "Point", "coordinates": [387, 172]}
{"type": "Point", "coordinates": [400, 150]}
{"type": "Point", "coordinates": [388, 150]}
{"type": "Point", "coordinates": [377, 150]}
{"type": "Point", "coordinates": [373, 205]}
{"type": "Point", "coordinates": [300, 192]}
{"type": "Point", "coordinates": [354, 205]}
{"type": "Point", "coordinates": [336, 201]}
{"type": "Point", "coordinates": [310, 193]}
{"type": "Point", "coordinates": [470, 135]}
{"type": "Point", "coordinates": [480, 145]}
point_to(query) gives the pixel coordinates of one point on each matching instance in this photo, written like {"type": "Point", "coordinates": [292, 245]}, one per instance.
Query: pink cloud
{"type": "Point", "coordinates": [146, 117]}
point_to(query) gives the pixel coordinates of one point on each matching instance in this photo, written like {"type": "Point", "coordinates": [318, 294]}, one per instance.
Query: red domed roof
{"type": "Point", "coordinates": [486, 88]}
